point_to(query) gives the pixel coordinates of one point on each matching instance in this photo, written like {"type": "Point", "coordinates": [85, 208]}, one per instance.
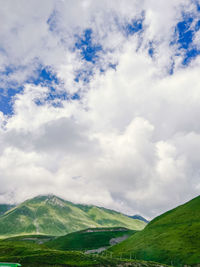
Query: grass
{"type": "Point", "coordinates": [87, 240]}
{"type": "Point", "coordinates": [38, 239]}
{"type": "Point", "coordinates": [5, 207]}
{"type": "Point", "coordinates": [30, 254]}
{"type": "Point", "coordinates": [172, 238]}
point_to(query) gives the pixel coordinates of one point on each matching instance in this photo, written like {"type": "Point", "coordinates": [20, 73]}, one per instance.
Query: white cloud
{"type": "Point", "coordinates": [131, 142]}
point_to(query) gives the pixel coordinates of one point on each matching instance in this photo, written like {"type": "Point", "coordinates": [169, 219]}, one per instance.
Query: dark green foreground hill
{"type": "Point", "coordinates": [33, 255]}
{"type": "Point", "coordinates": [51, 215]}
{"type": "Point", "coordinates": [172, 238]}
{"type": "Point", "coordinates": [92, 239]}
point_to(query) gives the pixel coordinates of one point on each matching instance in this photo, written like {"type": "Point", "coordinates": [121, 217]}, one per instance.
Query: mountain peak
{"type": "Point", "coordinates": [52, 215]}
{"type": "Point", "coordinates": [55, 201]}
{"type": "Point", "coordinates": [47, 197]}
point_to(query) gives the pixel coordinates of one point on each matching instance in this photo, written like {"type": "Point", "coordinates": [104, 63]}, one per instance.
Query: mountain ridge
{"type": "Point", "coordinates": [52, 215]}
{"type": "Point", "coordinates": [171, 238]}
{"type": "Point", "coordinates": [139, 217]}
{"type": "Point", "coordinates": [5, 207]}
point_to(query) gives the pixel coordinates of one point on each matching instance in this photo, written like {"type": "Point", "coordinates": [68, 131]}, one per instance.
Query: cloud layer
{"type": "Point", "coordinates": [112, 119]}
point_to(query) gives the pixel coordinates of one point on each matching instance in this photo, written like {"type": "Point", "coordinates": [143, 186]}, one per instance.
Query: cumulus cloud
{"type": "Point", "coordinates": [129, 139]}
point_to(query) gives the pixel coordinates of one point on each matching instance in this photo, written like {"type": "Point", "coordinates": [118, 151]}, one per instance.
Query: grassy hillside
{"type": "Point", "coordinates": [90, 239]}
{"type": "Point", "coordinates": [172, 238]}
{"type": "Point", "coordinates": [32, 255]}
{"type": "Point", "coordinates": [51, 215]}
{"type": "Point", "coordinates": [5, 207]}
{"type": "Point", "coordinates": [38, 239]}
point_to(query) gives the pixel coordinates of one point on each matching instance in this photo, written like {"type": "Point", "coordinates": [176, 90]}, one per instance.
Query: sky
{"type": "Point", "coordinates": [100, 102]}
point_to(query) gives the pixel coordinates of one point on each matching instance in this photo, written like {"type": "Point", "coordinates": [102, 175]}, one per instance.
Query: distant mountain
{"type": "Point", "coordinates": [138, 217]}
{"type": "Point", "coordinates": [172, 238]}
{"type": "Point", "coordinates": [5, 207]}
{"type": "Point", "coordinates": [52, 215]}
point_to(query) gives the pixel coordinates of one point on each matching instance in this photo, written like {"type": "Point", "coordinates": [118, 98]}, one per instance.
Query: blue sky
{"type": "Point", "coordinates": [107, 92]}
{"type": "Point", "coordinates": [90, 51]}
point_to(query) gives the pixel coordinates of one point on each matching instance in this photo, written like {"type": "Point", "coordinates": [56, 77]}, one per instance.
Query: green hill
{"type": "Point", "coordinates": [32, 255]}
{"type": "Point", "coordinates": [172, 238]}
{"type": "Point", "coordinates": [38, 239]}
{"type": "Point", "coordinates": [51, 215]}
{"type": "Point", "coordinates": [90, 239]}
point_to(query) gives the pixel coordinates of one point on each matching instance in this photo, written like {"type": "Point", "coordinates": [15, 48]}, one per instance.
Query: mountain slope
{"type": "Point", "coordinates": [51, 215]}
{"type": "Point", "coordinates": [94, 239]}
{"type": "Point", "coordinates": [172, 238]}
{"type": "Point", "coordinates": [139, 217]}
{"type": "Point", "coordinates": [5, 207]}
{"type": "Point", "coordinates": [32, 255]}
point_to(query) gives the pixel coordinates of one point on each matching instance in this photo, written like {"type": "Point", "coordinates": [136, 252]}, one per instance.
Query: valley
{"type": "Point", "coordinates": [70, 234]}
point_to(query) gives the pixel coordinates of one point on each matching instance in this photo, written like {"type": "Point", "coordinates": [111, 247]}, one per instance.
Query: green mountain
{"type": "Point", "coordinates": [5, 207]}
{"type": "Point", "coordinates": [52, 215]}
{"type": "Point", "coordinates": [91, 240]}
{"type": "Point", "coordinates": [171, 238]}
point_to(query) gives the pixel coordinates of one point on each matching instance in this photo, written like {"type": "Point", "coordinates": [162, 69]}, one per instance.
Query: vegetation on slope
{"type": "Point", "coordinates": [51, 215]}
{"type": "Point", "coordinates": [38, 239]}
{"type": "Point", "coordinates": [139, 217]}
{"type": "Point", "coordinates": [5, 207]}
{"type": "Point", "coordinates": [31, 255]}
{"type": "Point", "coordinates": [90, 239]}
{"type": "Point", "coordinates": [172, 238]}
